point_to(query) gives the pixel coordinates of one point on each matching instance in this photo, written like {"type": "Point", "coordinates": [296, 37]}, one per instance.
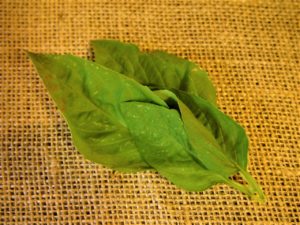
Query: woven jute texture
{"type": "Point", "coordinates": [251, 51]}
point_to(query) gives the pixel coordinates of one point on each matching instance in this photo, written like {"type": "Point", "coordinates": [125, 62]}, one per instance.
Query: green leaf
{"type": "Point", "coordinates": [161, 139]}
{"type": "Point", "coordinates": [210, 150]}
{"type": "Point", "coordinates": [89, 97]}
{"type": "Point", "coordinates": [203, 145]}
{"type": "Point", "coordinates": [180, 148]}
{"type": "Point", "coordinates": [157, 69]}
{"type": "Point", "coordinates": [229, 135]}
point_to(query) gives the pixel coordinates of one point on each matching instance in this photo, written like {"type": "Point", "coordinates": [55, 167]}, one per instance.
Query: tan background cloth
{"type": "Point", "coordinates": [251, 50]}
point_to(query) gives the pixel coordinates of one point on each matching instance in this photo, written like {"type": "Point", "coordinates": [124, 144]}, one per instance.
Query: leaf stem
{"type": "Point", "coordinates": [254, 187]}
{"type": "Point", "coordinates": [253, 190]}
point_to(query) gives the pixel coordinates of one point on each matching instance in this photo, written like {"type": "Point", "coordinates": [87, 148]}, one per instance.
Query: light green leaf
{"type": "Point", "coordinates": [229, 135]}
{"type": "Point", "coordinates": [89, 97]}
{"type": "Point", "coordinates": [161, 139]}
{"type": "Point", "coordinates": [206, 146]}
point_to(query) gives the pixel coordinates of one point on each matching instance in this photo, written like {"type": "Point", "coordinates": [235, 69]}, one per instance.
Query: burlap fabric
{"type": "Point", "coordinates": [251, 50]}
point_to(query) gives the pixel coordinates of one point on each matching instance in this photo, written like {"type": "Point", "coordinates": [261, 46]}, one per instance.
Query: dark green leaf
{"type": "Point", "coordinates": [157, 69]}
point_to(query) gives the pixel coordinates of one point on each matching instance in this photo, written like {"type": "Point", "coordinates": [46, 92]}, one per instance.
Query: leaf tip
{"type": "Point", "coordinates": [32, 55]}
{"type": "Point", "coordinates": [259, 197]}
{"type": "Point", "coordinates": [96, 42]}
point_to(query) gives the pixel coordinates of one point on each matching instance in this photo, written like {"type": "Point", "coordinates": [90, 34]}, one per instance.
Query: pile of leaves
{"type": "Point", "coordinates": [133, 111]}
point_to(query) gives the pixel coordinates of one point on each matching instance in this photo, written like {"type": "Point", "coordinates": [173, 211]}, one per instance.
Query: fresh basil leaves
{"type": "Point", "coordinates": [133, 111]}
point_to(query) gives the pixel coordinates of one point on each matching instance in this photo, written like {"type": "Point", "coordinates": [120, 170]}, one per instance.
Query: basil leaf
{"type": "Point", "coordinates": [161, 139]}
{"type": "Point", "coordinates": [89, 97]}
{"type": "Point", "coordinates": [229, 135]}
{"type": "Point", "coordinates": [203, 144]}
{"type": "Point", "coordinates": [157, 69]}
{"type": "Point", "coordinates": [206, 147]}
